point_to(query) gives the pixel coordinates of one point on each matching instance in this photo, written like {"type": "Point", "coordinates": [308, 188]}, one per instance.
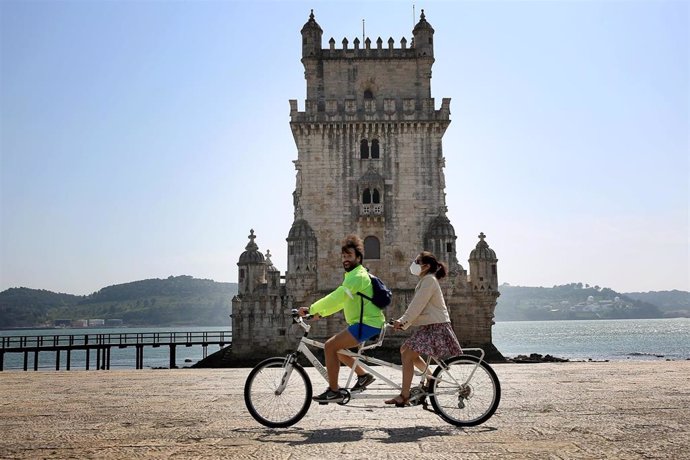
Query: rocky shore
{"type": "Point", "coordinates": [534, 358]}
{"type": "Point", "coordinates": [576, 410]}
{"type": "Point", "coordinates": [537, 358]}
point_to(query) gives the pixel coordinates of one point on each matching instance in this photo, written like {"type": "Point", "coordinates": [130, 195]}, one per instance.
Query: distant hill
{"type": "Point", "coordinates": [667, 301]}
{"type": "Point", "coordinates": [578, 301]}
{"type": "Point", "coordinates": [23, 307]}
{"type": "Point", "coordinates": [175, 301]}
{"type": "Point", "coordinates": [187, 301]}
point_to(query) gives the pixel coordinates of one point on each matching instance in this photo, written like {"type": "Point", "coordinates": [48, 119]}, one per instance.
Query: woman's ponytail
{"type": "Point", "coordinates": [441, 271]}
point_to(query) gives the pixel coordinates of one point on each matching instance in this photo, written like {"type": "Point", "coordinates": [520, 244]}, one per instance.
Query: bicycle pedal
{"type": "Point", "coordinates": [323, 404]}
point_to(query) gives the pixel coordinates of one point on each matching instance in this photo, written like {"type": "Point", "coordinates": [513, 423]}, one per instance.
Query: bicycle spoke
{"type": "Point", "coordinates": [277, 410]}
{"type": "Point", "coordinates": [466, 392]}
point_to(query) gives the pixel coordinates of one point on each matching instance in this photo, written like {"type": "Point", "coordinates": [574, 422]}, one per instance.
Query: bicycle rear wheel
{"type": "Point", "coordinates": [461, 400]}
{"type": "Point", "coordinates": [263, 401]}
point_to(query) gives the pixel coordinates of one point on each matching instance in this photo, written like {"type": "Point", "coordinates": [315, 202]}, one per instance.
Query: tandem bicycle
{"type": "Point", "coordinates": [463, 390]}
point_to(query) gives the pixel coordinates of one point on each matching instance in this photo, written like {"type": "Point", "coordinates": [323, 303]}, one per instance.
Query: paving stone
{"type": "Point", "coordinates": [617, 410]}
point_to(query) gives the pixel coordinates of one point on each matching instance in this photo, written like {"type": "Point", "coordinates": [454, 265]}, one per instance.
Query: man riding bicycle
{"type": "Point", "coordinates": [364, 321]}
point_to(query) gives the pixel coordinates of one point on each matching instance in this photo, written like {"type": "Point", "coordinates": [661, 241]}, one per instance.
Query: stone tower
{"type": "Point", "coordinates": [369, 161]}
{"type": "Point", "coordinates": [370, 156]}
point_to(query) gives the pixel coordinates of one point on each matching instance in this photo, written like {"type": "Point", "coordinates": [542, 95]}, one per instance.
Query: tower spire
{"type": "Point", "coordinates": [251, 246]}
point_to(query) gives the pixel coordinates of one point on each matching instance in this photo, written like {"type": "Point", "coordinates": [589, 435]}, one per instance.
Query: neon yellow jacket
{"type": "Point", "coordinates": [345, 298]}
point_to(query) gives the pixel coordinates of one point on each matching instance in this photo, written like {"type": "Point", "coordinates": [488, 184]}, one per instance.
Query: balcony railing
{"type": "Point", "coordinates": [375, 209]}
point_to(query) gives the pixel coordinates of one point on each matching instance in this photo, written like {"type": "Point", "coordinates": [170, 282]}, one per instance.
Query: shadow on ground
{"type": "Point", "coordinates": [300, 437]}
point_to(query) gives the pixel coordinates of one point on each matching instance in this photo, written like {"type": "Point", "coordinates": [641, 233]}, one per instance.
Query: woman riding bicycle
{"type": "Point", "coordinates": [435, 336]}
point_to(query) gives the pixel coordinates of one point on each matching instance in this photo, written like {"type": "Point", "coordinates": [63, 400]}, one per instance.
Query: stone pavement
{"type": "Point", "coordinates": [621, 410]}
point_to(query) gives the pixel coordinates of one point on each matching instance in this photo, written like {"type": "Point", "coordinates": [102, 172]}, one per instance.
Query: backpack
{"type": "Point", "coordinates": [382, 295]}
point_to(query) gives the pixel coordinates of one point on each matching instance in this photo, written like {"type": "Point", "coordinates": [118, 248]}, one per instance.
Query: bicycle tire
{"type": "Point", "coordinates": [267, 407]}
{"type": "Point", "coordinates": [465, 403]}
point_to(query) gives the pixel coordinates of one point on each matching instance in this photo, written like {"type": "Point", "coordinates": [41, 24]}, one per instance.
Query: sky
{"type": "Point", "coordinates": [144, 139]}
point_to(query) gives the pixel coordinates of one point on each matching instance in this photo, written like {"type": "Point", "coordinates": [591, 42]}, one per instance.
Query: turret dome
{"type": "Point", "coordinates": [300, 230]}
{"type": "Point", "coordinates": [311, 24]}
{"type": "Point", "coordinates": [440, 227]}
{"type": "Point", "coordinates": [269, 264]}
{"type": "Point", "coordinates": [251, 255]}
{"type": "Point", "coordinates": [422, 25]}
{"type": "Point", "coordinates": [482, 251]}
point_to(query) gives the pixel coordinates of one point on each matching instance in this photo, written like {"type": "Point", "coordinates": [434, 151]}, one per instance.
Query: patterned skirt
{"type": "Point", "coordinates": [437, 340]}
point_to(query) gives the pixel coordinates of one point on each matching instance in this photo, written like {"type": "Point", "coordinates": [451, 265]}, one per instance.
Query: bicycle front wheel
{"type": "Point", "coordinates": [264, 400]}
{"type": "Point", "coordinates": [465, 391]}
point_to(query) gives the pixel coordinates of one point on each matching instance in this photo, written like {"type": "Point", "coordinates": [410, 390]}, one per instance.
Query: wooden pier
{"type": "Point", "coordinates": [101, 345]}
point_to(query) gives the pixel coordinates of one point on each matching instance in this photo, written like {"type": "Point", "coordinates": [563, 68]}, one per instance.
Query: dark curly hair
{"type": "Point", "coordinates": [355, 243]}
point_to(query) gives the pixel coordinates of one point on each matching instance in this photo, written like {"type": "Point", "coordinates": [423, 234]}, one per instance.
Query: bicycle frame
{"type": "Point", "coordinates": [462, 391]}
{"type": "Point", "coordinates": [360, 360]}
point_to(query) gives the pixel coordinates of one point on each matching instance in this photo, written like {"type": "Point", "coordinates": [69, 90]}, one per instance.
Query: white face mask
{"type": "Point", "coordinates": [415, 268]}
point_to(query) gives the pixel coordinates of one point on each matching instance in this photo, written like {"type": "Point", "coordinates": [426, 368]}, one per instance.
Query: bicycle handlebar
{"type": "Point", "coordinates": [296, 318]}
{"type": "Point", "coordinates": [296, 315]}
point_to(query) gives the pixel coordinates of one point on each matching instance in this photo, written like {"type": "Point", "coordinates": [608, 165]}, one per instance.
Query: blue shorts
{"type": "Point", "coordinates": [367, 331]}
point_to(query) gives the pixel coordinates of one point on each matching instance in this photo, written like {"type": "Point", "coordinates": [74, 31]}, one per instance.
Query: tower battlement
{"type": "Point", "coordinates": [421, 45]}
{"type": "Point", "coordinates": [379, 50]}
{"type": "Point", "coordinates": [388, 109]}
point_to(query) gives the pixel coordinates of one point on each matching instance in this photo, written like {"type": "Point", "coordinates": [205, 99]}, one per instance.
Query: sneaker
{"type": "Point", "coordinates": [328, 396]}
{"type": "Point", "coordinates": [363, 381]}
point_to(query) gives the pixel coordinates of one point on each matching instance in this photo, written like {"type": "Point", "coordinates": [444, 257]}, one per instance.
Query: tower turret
{"type": "Point", "coordinates": [272, 274]}
{"type": "Point", "coordinates": [300, 277]}
{"type": "Point", "coordinates": [423, 37]}
{"type": "Point", "coordinates": [252, 267]}
{"type": "Point", "coordinates": [483, 272]}
{"type": "Point", "coordinates": [440, 239]}
{"type": "Point", "coordinates": [311, 38]}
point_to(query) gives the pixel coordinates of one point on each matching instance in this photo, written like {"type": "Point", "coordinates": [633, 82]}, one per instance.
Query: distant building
{"type": "Point", "coordinates": [96, 322]}
{"type": "Point", "coordinates": [369, 161]}
{"type": "Point", "coordinates": [62, 322]}
{"type": "Point", "coordinates": [80, 323]}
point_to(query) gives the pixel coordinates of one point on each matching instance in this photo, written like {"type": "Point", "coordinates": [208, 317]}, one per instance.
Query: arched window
{"type": "Point", "coordinates": [368, 94]}
{"type": "Point", "coordinates": [364, 149]}
{"type": "Point", "coordinates": [372, 248]}
{"type": "Point", "coordinates": [366, 196]}
{"type": "Point", "coordinates": [376, 197]}
{"type": "Point", "coordinates": [375, 148]}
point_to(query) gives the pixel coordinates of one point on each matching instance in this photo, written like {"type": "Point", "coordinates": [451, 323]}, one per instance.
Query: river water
{"type": "Point", "coordinates": [638, 339]}
{"type": "Point", "coordinates": [596, 339]}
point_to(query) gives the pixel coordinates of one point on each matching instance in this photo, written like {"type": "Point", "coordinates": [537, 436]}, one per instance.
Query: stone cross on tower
{"type": "Point", "coordinates": [251, 246]}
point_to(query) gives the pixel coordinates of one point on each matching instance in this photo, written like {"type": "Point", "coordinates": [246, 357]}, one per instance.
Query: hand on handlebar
{"type": "Point", "coordinates": [304, 311]}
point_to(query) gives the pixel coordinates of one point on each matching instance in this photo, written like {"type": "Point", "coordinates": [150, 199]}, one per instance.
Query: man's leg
{"type": "Point", "coordinates": [349, 361]}
{"type": "Point", "coordinates": [339, 341]}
